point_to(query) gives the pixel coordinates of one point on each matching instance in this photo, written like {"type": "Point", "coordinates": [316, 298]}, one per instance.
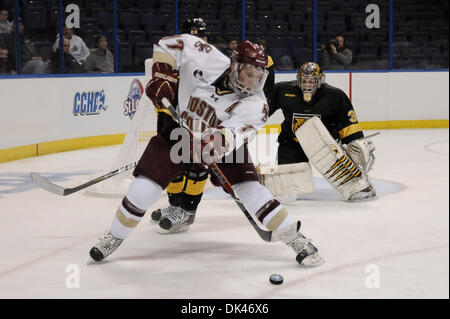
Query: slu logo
{"type": "Point", "coordinates": [89, 103]}
{"type": "Point", "coordinates": [133, 98]}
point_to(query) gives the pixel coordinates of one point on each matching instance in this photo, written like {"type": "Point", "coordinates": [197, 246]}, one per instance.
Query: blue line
{"type": "Point", "coordinates": [243, 20]}
{"type": "Point", "coordinates": [116, 39]}
{"type": "Point", "coordinates": [176, 17]}
{"type": "Point", "coordinates": [391, 33]}
{"type": "Point", "coordinates": [61, 36]}
{"type": "Point", "coordinates": [315, 30]}
{"type": "Point", "coordinates": [19, 55]}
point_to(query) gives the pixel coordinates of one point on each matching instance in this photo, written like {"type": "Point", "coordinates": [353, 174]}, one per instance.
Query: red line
{"type": "Point", "coordinates": [350, 86]}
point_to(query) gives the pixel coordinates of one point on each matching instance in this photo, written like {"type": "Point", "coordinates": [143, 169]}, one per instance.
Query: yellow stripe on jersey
{"type": "Point", "coordinates": [289, 95]}
{"type": "Point", "coordinates": [349, 130]}
{"type": "Point", "coordinates": [195, 188]}
{"type": "Point", "coordinates": [164, 57]}
{"type": "Point", "coordinates": [177, 187]}
{"type": "Point", "coordinates": [269, 62]}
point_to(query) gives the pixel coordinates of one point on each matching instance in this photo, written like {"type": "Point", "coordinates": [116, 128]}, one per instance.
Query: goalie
{"type": "Point", "coordinates": [320, 128]}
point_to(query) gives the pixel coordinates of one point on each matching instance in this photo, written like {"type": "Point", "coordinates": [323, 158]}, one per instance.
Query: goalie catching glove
{"type": "Point", "coordinates": [162, 85]}
{"type": "Point", "coordinates": [361, 152]}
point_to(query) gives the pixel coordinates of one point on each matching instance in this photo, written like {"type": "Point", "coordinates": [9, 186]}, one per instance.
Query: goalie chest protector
{"type": "Point", "coordinates": [329, 103]}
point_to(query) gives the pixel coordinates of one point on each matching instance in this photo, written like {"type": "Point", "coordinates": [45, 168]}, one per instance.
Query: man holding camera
{"type": "Point", "coordinates": [334, 55]}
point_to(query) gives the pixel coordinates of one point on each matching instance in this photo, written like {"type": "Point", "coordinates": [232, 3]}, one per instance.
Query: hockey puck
{"type": "Point", "coordinates": [276, 279]}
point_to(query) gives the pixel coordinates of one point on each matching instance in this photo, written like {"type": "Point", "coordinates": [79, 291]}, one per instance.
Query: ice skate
{"type": "Point", "coordinates": [107, 245]}
{"type": "Point", "coordinates": [159, 214]}
{"type": "Point", "coordinates": [306, 252]}
{"type": "Point", "coordinates": [177, 221]}
{"type": "Point", "coordinates": [365, 194]}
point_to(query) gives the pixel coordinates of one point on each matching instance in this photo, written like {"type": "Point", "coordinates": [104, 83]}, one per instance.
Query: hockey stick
{"type": "Point", "coordinates": [266, 235]}
{"type": "Point", "coordinates": [368, 136]}
{"type": "Point", "coordinates": [62, 191]}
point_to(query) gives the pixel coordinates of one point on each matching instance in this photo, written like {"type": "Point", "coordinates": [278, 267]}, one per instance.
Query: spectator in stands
{"type": "Point", "coordinates": [231, 45]}
{"type": "Point", "coordinates": [5, 64]}
{"type": "Point", "coordinates": [334, 55]}
{"type": "Point", "coordinates": [30, 59]}
{"type": "Point", "coordinates": [101, 59]}
{"type": "Point", "coordinates": [78, 48]}
{"type": "Point", "coordinates": [70, 63]}
{"type": "Point", "coordinates": [219, 43]}
{"type": "Point", "coordinates": [5, 25]}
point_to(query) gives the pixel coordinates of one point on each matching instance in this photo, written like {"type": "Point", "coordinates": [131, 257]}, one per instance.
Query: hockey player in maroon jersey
{"type": "Point", "coordinates": [308, 97]}
{"type": "Point", "coordinates": [214, 95]}
{"type": "Point", "coordinates": [186, 190]}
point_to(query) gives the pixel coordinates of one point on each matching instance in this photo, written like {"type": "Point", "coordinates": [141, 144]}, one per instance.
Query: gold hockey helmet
{"type": "Point", "coordinates": [309, 79]}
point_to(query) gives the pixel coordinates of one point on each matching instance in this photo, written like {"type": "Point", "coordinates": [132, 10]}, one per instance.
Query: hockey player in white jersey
{"type": "Point", "coordinates": [186, 190]}
{"type": "Point", "coordinates": [212, 94]}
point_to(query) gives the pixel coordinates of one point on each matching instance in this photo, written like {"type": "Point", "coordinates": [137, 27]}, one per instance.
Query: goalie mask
{"type": "Point", "coordinates": [248, 69]}
{"type": "Point", "coordinates": [309, 79]}
{"type": "Point", "coordinates": [195, 26]}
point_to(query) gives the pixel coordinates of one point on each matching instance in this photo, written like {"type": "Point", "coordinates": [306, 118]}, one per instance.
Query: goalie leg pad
{"type": "Point", "coordinates": [330, 159]}
{"type": "Point", "coordinates": [289, 179]}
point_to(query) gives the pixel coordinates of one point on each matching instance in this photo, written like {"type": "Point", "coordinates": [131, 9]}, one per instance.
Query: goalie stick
{"type": "Point", "coordinates": [62, 191]}
{"type": "Point", "coordinates": [266, 235]}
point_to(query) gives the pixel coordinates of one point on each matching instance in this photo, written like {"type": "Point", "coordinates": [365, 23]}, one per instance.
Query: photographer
{"type": "Point", "coordinates": [334, 55]}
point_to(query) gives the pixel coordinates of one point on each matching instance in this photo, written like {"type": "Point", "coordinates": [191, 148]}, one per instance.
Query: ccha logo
{"type": "Point", "coordinates": [133, 98]}
{"type": "Point", "coordinates": [89, 103]}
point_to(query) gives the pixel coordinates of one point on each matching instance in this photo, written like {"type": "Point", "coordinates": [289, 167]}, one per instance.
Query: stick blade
{"type": "Point", "coordinates": [48, 186]}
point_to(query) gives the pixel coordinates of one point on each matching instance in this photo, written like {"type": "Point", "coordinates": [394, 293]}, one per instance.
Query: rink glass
{"type": "Point", "coordinates": [382, 34]}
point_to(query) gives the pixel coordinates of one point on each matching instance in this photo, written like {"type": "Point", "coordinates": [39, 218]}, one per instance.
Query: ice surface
{"type": "Point", "coordinates": [402, 236]}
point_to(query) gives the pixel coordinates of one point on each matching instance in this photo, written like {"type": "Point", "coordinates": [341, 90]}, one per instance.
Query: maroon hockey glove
{"type": "Point", "coordinates": [162, 85]}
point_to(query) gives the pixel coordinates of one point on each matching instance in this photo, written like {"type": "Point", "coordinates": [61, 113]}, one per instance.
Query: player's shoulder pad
{"type": "Point", "coordinates": [192, 40]}
{"type": "Point", "coordinates": [252, 103]}
{"type": "Point", "coordinates": [286, 87]}
{"type": "Point", "coordinates": [333, 90]}
{"type": "Point", "coordinates": [286, 84]}
{"type": "Point", "coordinates": [258, 98]}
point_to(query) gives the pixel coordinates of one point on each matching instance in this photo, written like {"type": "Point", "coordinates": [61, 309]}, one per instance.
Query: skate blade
{"type": "Point", "coordinates": [359, 200]}
{"type": "Point", "coordinates": [173, 231]}
{"type": "Point", "coordinates": [312, 260]}
{"type": "Point", "coordinates": [91, 261]}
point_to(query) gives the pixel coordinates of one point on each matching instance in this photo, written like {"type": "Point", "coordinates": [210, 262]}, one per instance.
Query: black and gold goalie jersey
{"type": "Point", "coordinates": [329, 103]}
